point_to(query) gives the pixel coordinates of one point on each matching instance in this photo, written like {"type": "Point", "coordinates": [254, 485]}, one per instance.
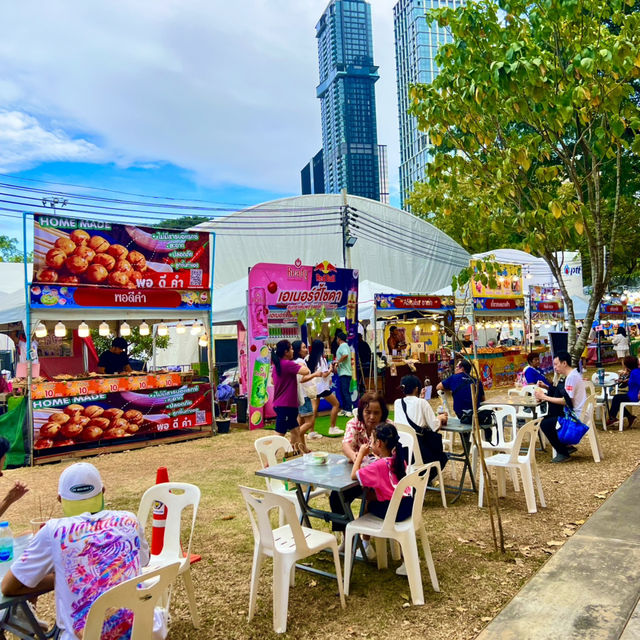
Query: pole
{"type": "Point", "coordinates": [344, 220]}
{"type": "Point", "coordinates": [27, 292]}
{"type": "Point", "coordinates": [375, 346]}
{"type": "Point", "coordinates": [214, 424]}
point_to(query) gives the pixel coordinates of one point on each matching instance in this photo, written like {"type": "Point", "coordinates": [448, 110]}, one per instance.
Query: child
{"type": "Point", "coordinates": [382, 475]}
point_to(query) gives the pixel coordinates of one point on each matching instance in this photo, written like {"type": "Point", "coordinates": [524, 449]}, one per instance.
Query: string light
{"type": "Point", "coordinates": [203, 341]}
{"type": "Point", "coordinates": [41, 330]}
{"type": "Point", "coordinates": [143, 329]}
{"type": "Point", "coordinates": [196, 328]}
{"type": "Point", "coordinates": [60, 331]}
{"type": "Point", "coordinates": [83, 330]}
{"type": "Point", "coordinates": [180, 328]}
{"type": "Point", "coordinates": [163, 330]}
{"type": "Point", "coordinates": [103, 329]}
{"type": "Point", "coordinates": [125, 329]}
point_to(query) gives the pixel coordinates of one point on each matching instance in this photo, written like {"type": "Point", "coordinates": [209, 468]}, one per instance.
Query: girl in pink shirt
{"type": "Point", "coordinates": [382, 475]}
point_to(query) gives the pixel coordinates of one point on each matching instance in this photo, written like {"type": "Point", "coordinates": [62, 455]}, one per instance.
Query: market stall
{"type": "Point", "coordinates": [612, 313]}
{"type": "Point", "coordinates": [546, 312]}
{"type": "Point", "coordinates": [114, 280]}
{"type": "Point", "coordinates": [283, 299]}
{"type": "Point", "coordinates": [633, 324]}
{"type": "Point", "coordinates": [495, 322]}
{"type": "Point", "coordinates": [413, 340]}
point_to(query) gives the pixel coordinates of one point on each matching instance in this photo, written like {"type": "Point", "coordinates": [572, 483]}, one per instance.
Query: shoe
{"type": "Point", "coordinates": [561, 458]}
{"type": "Point", "coordinates": [336, 431]}
{"type": "Point", "coordinates": [314, 435]}
{"type": "Point", "coordinates": [401, 570]}
{"type": "Point", "coordinates": [369, 551]}
{"type": "Point", "coordinates": [572, 449]}
{"type": "Point", "coordinates": [345, 414]}
{"type": "Point", "coordinates": [630, 421]}
{"type": "Point", "coordinates": [612, 422]}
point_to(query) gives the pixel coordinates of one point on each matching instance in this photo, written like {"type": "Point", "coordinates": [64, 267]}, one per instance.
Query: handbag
{"type": "Point", "coordinates": [570, 429]}
{"type": "Point", "coordinates": [486, 420]}
{"type": "Point", "coordinates": [430, 442]}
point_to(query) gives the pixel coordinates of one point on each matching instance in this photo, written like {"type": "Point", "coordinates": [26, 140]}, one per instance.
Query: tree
{"type": "Point", "coordinates": [531, 119]}
{"type": "Point", "coordinates": [186, 222]}
{"type": "Point", "coordinates": [9, 250]}
{"type": "Point", "coordinates": [140, 347]}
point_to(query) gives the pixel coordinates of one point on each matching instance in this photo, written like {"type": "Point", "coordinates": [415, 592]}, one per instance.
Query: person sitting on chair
{"type": "Point", "coordinates": [532, 372]}
{"type": "Point", "coordinates": [460, 384]}
{"type": "Point", "coordinates": [82, 555]}
{"type": "Point", "coordinates": [633, 380]}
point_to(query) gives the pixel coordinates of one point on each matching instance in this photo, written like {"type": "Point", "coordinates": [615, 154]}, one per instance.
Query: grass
{"type": "Point", "coordinates": [475, 581]}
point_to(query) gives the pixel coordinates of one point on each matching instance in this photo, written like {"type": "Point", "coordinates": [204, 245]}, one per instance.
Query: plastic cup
{"type": "Point", "coordinates": [37, 524]}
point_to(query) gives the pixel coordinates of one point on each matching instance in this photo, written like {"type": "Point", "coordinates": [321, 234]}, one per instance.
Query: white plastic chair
{"type": "Point", "coordinates": [600, 408]}
{"type": "Point", "coordinates": [587, 415]}
{"type": "Point", "coordinates": [176, 496]}
{"type": "Point", "coordinates": [406, 432]}
{"type": "Point", "coordinates": [139, 595]}
{"type": "Point", "coordinates": [403, 532]}
{"type": "Point", "coordinates": [609, 376]}
{"type": "Point", "coordinates": [503, 414]}
{"type": "Point", "coordinates": [447, 436]}
{"type": "Point", "coordinates": [271, 450]}
{"type": "Point", "coordinates": [525, 464]}
{"type": "Point", "coordinates": [286, 545]}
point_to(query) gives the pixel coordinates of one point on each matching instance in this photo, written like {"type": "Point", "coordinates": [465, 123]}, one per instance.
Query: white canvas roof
{"type": "Point", "coordinates": [393, 248]}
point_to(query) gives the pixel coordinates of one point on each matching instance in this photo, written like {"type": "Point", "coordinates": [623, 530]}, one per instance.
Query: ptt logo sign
{"type": "Point", "coordinates": [571, 271]}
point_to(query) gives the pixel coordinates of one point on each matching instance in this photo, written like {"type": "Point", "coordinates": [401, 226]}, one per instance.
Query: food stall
{"type": "Point", "coordinates": [496, 319]}
{"type": "Point", "coordinates": [413, 339]}
{"type": "Point", "coordinates": [612, 313]}
{"type": "Point", "coordinates": [117, 280]}
{"type": "Point", "coordinates": [633, 324]}
{"type": "Point", "coordinates": [281, 299]}
{"type": "Point", "coordinates": [546, 310]}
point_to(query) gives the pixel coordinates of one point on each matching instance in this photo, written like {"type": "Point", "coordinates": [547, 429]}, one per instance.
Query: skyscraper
{"type": "Point", "coordinates": [347, 99]}
{"type": "Point", "coordinates": [312, 176]}
{"type": "Point", "coordinates": [417, 42]}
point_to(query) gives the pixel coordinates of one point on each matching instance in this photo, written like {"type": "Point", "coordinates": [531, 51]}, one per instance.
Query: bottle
{"type": "Point", "coordinates": [6, 542]}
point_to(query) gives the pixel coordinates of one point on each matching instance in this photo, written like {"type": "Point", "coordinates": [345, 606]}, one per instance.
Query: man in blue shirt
{"type": "Point", "coordinates": [460, 384]}
{"type": "Point", "coordinates": [532, 372]}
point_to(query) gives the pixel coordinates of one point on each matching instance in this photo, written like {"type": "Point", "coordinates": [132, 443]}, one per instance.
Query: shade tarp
{"type": "Point", "coordinates": [12, 307]}
{"type": "Point", "coordinates": [393, 247]}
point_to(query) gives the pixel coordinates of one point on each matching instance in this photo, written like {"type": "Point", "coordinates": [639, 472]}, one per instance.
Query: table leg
{"type": "Point", "coordinates": [303, 500]}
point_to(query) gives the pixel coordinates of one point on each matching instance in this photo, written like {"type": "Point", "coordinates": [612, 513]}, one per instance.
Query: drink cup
{"type": "Point", "coordinates": [37, 524]}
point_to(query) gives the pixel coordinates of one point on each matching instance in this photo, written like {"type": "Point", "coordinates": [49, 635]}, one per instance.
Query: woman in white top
{"type": "Point", "coordinates": [306, 391]}
{"type": "Point", "coordinates": [621, 344]}
{"type": "Point", "coordinates": [418, 414]}
{"type": "Point", "coordinates": [318, 364]}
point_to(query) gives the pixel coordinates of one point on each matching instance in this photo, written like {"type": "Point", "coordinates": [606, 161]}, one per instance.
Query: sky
{"type": "Point", "coordinates": [205, 99]}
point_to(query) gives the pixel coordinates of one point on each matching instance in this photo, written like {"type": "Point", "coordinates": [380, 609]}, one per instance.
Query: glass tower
{"type": "Point", "coordinates": [417, 42]}
{"type": "Point", "coordinates": [347, 99]}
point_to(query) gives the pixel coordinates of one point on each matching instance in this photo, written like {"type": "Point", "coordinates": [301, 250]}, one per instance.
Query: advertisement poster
{"type": "Point", "coordinates": [392, 302]}
{"type": "Point", "coordinates": [509, 282]}
{"type": "Point", "coordinates": [105, 419]}
{"type": "Point", "coordinates": [72, 252]}
{"type": "Point", "coordinates": [279, 296]}
{"type": "Point", "coordinates": [547, 304]}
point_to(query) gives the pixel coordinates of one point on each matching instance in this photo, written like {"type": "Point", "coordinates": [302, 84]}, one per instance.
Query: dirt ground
{"type": "Point", "coordinates": [475, 581]}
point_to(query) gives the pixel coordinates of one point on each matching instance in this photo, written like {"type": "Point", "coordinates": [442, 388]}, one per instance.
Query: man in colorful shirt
{"type": "Point", "coordinates": [82, 555]}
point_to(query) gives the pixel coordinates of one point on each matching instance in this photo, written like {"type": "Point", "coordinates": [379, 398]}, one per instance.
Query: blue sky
{"type": "Point", "coordinates": [192, 99]}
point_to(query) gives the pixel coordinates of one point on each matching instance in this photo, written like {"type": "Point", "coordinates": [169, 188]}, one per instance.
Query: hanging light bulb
{"type": "Point", "coordinates": [163, 330]}
{"type": "Point", "coordinates": [196, 328]}
{"type": "Point", "coordinates": [41, 330]}
{"type": "Point", "coordinates": [203, 341]}
{"type": "Point", "coordinates": [103, 329]}
{"type": "Point", "coordinates": [143, 329]}
{"type": "Point", "coordinates": [434, 327]}
{"type": "Point", "coordinates": [180, 328]}
{"type": "Point", "coordinates": [60, 331]}
{"type": "Point", "coordinates": [83, 330]}
{"type": "Point", "coordinates": [125, 329]}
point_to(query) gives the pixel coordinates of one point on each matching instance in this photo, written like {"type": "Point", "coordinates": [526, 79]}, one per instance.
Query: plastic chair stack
{"type": "Point", "coordinates": [286, 545]}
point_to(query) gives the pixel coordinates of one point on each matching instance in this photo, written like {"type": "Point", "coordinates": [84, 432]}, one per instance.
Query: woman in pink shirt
{"type": "Point", "coordinates": [285, 391]}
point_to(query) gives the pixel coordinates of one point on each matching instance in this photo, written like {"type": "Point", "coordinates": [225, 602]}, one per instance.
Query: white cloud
{"type": "Point", "coordinates": [225, 89]}
{"type": "Point", "coordinates": [24, 142]}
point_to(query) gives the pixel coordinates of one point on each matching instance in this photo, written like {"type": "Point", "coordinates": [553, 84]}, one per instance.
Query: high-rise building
{"type": "Point", "coordinates": [416, 42]}
{"type": "Point", "coordinates": [312, 176]}
{"type": "Point", "coordinates": [347, 99]}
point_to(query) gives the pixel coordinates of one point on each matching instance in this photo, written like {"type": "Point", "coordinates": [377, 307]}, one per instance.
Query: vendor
{"type": "Point", "coordinates": [533, 373]}
{"type": "Point", "coordinates": [395, 341]}
{"type": "Point", "coordinates": [116, 359]}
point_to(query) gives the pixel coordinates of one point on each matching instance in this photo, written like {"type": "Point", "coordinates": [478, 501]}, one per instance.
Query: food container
{"type": "Point", "coordinates": [316, 458]}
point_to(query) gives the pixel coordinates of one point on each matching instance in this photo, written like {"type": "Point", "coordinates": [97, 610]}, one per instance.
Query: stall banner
{"type": "Point", "coordinates": [546, 300]}
{"type": "Point", "coordinates": [615, 310]}
{"type": "Point", "coordinates": [71, 251]}
{"type": "Point", "coordinates": [391, 302]}
{"type": "Point", "coordinates": [53, 347]}
{"type": "Point", "coordinates": [501, 371]}
{"type": "Point", "coordinates": [98, 385]}
{"type": "Point", "coordinates": [280, 292]}
{"type": "Point", "coordinates": [633, 310]}
{"type": "Point", "coordinates": [103, 419]}
{"type": "Point", "coordinates": [498, 304]}
{"type": "Point", "coordinates": [509, 285]}
{"type": "Point", "coordinates": [55, 296]}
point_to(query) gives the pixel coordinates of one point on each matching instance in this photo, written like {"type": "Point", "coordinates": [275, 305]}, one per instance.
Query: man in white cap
{"type": "Point", "coordinates": [82, 555]}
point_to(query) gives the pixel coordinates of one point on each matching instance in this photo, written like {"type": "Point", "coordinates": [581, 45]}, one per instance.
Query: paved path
{"type": "Point", "coordinates": [590, 588]}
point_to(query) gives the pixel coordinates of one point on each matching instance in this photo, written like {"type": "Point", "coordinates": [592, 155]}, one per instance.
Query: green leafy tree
{"type": "Point", "coordinates": [140, 347]}
{"type": "Point", "coordinates": [532, 120]}
{"type": "Point", "coordinates": [186, 222]}
{"type": "Point", "coordinates": [10, 250]}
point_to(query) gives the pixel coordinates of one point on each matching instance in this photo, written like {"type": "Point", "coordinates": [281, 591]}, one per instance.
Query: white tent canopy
{"type": "Point", "coordinates": [393, 247]}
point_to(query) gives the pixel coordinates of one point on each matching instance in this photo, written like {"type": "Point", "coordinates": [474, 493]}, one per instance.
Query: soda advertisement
{"type": "Point", "coordinates": [509, 282]}
{"type": "Point", "coordinates": [103, 419]}
{"type": "Point", "coordinates": [279, 294]}
{"type": "Point", "coordinates": [72, 252]}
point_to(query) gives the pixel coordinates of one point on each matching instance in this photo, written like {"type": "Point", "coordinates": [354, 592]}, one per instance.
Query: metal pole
{"type": "Point", "coordinates": [27, 292]}
{"type": "Point", "coordinates": [344, 223]}
{"type": "Point", "coordinates": [375, 346]}
{"type": "Point", "coordinates": [214, 424]}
